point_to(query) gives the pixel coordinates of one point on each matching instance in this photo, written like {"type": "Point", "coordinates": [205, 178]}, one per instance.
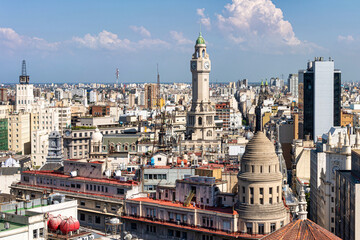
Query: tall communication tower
{"type": "Point", "coordinates": [23, 79]}
{"type": "Point", "coordinates": [117, 76]}
{"type": "Point", "coordinates": [158, 89]}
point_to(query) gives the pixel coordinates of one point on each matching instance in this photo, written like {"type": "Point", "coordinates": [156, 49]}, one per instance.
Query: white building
{"type": "Point", "coordinates": [24, 97]}
{"type": "Point", "coordinates": [325, 161]}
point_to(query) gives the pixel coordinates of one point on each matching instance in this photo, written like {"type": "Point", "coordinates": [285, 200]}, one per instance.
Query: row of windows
{"type": "Point", "coordinates": [261, 227]}
{"type": "Point", "coordinates": [98, 188]}
{"type": "Point", "coordinates": [261, 169]}
{"type": "Point", "coordinates": [155, 176]}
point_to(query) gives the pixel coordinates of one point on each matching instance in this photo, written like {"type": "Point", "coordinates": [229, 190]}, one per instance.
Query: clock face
{"type": "Point", "coordinates": [67, 133]}
{"type": "Point", "coordinates": [193, 65]}
{"type": "Point", "coordinates": [206, 65]}
{"type": "Point", "coordinates": [53, 143]}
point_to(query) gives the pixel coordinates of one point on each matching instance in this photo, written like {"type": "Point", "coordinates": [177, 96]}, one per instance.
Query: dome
{"type": "Point", "coordinates": [260, 149]}
{"type": "Point", "coordinates": [10, 162]}
{"type": "Point", "coordinates": [97, 136]}
{"type": "Point", "coordinates": [200, 40]}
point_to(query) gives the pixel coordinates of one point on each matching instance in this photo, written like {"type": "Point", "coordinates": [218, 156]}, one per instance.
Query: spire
{"type": "Point", "coordinates": [302, 214]}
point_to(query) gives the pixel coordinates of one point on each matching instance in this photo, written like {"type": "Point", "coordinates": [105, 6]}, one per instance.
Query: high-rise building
{"type": "Point", "coordinates": [19, 132]}
{"type": "Point", "coordinates": [151, 95]}
{"type": "Point", "coordinates": [319, 97]}
{"type": "Point", "coordinates": [24, 92]}
{"type": "Point", "coordinates": [293, 83]}
{"type": "Point", "coordinates": [347, 212]}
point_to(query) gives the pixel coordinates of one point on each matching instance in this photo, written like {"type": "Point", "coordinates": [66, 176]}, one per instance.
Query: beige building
{"type": "Point", "coordinates": [43, 120]}
{"type": "Point", "coordinates": [260, 205]}
{"type": "Point", "coordinates": [19, 132]}
{"type": "Point", "coordinates": [200, 125]}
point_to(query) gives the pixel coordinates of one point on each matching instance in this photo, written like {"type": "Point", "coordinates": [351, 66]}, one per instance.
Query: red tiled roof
{"type": "Point", "coordinates": [235, 235]}
{"type": "Point", "coordinates": [98, 180]}
{"type": "Point", "coordinates": [228, 210]}
{"type": "Point", "coordinates": [301, 229]}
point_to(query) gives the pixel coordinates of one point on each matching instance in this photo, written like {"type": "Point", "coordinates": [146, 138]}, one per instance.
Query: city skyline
{"type": "Point", "coordinates": [87, 41]}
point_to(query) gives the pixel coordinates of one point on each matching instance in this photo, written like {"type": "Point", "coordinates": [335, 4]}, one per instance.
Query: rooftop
{"type": "Point", "coordinates": [97, 180]}
{"type": "Point", "coordinates": [301, 229]}
{"type": "Point", "coordinates": [228, 210]}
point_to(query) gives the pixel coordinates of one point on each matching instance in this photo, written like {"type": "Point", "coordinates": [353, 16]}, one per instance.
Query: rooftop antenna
{"type": "Point", "coordinates": [23, 79]}
{"type": "Point", "coordinates": [23, 70]}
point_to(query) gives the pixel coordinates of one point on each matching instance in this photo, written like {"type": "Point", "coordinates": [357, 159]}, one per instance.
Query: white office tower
{"type": "Point", "coordinates": [319, 97]}
{"type": "Point", "coordinates": [24, 92]}
{"type": "Point", "coordinates": [293, 82]}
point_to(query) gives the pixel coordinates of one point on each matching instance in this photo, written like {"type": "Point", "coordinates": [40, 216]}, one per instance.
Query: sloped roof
{"type": "Point", "coordinates": [301, 230]}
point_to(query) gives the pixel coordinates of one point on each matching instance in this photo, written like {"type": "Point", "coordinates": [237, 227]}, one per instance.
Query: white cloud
{"type": "Point", "coordinates": [14, 41]}
{"type": "Point", "coordinates": [204, 20]}
{"type": "Point", "coordinates": [258, 23]}
{"type": "Point", "coordinates": [179, 38]}
{"type": "Point", "coordinates": [110, 41]}
{"type": "Point", "coordinates": [142, 30]}
{"type": "Point", "coordinates": [347, 39]}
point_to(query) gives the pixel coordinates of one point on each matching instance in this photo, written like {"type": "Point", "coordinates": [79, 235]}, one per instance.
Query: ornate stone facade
{"type": "Point", "coordinates": [260, 204]}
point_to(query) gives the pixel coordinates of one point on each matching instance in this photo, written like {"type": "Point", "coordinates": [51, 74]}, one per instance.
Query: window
{"type": "Point", "coordinates": [82, 203]}
{"type": "Point", "coordinates": [261, 200]}
{"type": "Point", "coordinates": [243, 190]}
{"type": "Point", "coordinates": [270, 190]}
{"type": "Point", "coordinates": [82, 217]}
{"type": "Point", "coordinates": [277, 189]}
{"type": "Point", "coordinates": [133, 226]}
{"type": "Point", "coordinates": [261, 190]}
{"type": "Point", "coordinates": [251, 190]}
{"type": "Point", "coordinates": [120, 191]}
{"type": "Point", "coordinates": [251, 200]}
{"type": "Point", "coordinates": [41, 232]}
{"type": "Point", "coordinates": [252, 168]}
{"type": "Point", "coordinates": [249, 228]}
{"type": "Point", "coordinates": [97, 205]}
{"type": "Point", "coordinates": [272, 227]}
{"type": "Point", "coordinates": [332, 220]}
{"type": "Point", "coordinates": [170, 232]}
{"type": "Point", "coordinates": [97, 219]}
{"type": "Point", "coordinates": [89, 219]}
{"type": "Point", "coordinates": [261, 228]}
{"type": "Point", "coordinates": [270, 200]}
{"type": "Point", "coordinates": [35, 233]}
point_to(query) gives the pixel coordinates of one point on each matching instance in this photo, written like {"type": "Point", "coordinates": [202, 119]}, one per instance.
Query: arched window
{"type": "Point", "coordinates": [203, 53]}
{"type": "Point", "coordinates": [200, 121]}
{"type": "Point", "coordinates": [209, 133]}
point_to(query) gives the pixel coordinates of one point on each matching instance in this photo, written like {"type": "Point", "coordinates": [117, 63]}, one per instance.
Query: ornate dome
{"type": "Point", "coordinates": [97, 136]}
{"type": "Point", "coordinates": [200, 40]}
{"type": "Point", "coordinates": [260, 149]}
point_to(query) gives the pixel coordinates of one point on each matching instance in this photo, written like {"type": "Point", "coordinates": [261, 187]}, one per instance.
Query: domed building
{"type": "Point", "coordinates": [96, 144]}
{"type": "Point", "coordinates": [260, 205]}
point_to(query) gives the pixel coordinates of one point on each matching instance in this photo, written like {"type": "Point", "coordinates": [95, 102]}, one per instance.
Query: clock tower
{"type": "Point", "coordinates": [200, 119]}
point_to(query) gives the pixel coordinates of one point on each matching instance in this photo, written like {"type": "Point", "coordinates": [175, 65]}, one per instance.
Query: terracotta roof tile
{"type": "Point", "coordinates": [301, 230]}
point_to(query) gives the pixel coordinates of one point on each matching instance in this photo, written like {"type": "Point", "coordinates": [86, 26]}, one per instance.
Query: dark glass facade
{"type": "Point", "coordinates": [337, 99]}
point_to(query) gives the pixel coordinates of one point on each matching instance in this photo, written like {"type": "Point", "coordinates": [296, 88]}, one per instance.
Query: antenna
{"type": "Point", "coordinates": [117, 76]}
{"type": "Point", "coordinates": [158, 87]}
{"type": "Point", "coordinates": [23, 70]}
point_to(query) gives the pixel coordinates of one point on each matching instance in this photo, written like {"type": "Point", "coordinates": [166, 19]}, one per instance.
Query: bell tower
{"type": "Point", "coordinates": [200, 119]}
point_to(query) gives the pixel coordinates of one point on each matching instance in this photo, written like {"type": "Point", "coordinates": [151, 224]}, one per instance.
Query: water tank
{"type": "Point", "coordinates": [54, 222]}
{"type": "Point", "coordinates": [69, 225]}
{"type": "Point", "coordinates": [152, 161]}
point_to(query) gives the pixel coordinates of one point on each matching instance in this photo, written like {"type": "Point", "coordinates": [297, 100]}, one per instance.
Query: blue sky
{"type": "Point", "coordinates": [85, 41]}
